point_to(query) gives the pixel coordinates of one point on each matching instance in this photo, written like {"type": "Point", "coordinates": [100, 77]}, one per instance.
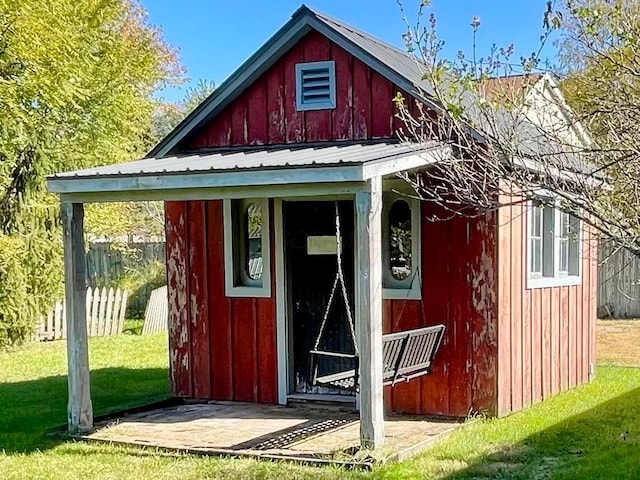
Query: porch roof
{"type": "Point", "coordinates": [247, 167]}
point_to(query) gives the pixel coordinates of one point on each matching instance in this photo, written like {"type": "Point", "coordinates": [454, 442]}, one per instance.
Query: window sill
{"type": "Point", "coordinates": [401, 294]}
{"type": "Point", "coordinates": [248, 292]}
{"type": "Point", "coordinates": [550, 282]}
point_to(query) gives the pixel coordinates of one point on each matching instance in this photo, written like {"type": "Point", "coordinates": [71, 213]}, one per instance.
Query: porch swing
{"type": "Point", "coordinates": [405, 355]}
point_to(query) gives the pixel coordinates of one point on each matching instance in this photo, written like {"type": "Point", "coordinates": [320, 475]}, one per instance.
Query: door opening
{"type": "Point", "coordinates": [310, 268]}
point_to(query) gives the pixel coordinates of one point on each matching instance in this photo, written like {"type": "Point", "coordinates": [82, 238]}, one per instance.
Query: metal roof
{"type": "Point", "coordinates": [264, 158]}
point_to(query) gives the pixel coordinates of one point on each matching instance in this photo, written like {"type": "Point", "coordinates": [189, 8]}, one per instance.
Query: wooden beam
{"type": "Point", "coordinates": [299, 191]}
{"type": "Point", "coordinates": [369, 312]}
{"type": "Point", "coordinates": [79, 410]}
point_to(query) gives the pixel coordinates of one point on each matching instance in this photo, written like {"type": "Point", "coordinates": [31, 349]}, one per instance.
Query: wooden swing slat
{"type": "Point", "coordinates": [406, 355]}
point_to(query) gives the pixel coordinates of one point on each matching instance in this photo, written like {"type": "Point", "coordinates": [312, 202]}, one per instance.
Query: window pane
{"type": "Point", "coordinates": [536, 256]}
{"type": "Point", "coordinates": [563, 245]}
{"type": "Point", "coordinates": [536, 222]}
{"type": "Point", "coordinates": [253, 243]}
{"type": "Point", "coordinates": [400, 239]}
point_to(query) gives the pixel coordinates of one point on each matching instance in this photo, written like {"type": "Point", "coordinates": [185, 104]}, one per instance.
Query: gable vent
{"type": "Point", "coordinates": [316, 85]}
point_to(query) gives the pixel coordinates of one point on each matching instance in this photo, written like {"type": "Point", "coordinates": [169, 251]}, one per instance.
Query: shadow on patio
{"type": "Point", "coordinates": [243, 429]}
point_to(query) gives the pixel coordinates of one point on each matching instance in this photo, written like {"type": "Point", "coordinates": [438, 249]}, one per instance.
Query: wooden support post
{"type": "Point", "coordinates": [369, 312]}
{"type": "Point", "coordinates": [79, 409]}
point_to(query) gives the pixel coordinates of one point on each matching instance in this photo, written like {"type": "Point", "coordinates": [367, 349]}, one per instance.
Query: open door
{"type": "Point", "coordinates": [310, 267]}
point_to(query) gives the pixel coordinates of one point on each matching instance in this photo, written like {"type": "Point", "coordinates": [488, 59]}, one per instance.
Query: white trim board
{"type": "Point", "coordinates": [230, 267]}
{"type": "Point", "coordinates": [282, 331]}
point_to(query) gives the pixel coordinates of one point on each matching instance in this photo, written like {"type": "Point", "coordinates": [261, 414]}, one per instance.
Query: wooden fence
{"type": "Point", "coordinates": [156, 316]}
{"type": "Point", "coordinates": [106, 264]}
{"type": "Point", "coordinates": [618, 282]}
{"type": "Point", "coordinates": [105, 315]}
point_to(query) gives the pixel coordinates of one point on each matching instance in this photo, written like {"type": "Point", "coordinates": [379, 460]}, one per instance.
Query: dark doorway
{"type": "Point", "coordinates": [311, 268]}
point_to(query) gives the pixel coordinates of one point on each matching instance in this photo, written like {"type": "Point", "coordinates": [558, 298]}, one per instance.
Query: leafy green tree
{"type": "Point", "coordinates": [77, 79]}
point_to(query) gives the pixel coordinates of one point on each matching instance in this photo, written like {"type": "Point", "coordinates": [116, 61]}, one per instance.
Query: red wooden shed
{"type": "Point", "coordinates": [300, 136]}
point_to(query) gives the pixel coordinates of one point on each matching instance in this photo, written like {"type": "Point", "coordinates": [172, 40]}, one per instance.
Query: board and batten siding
{"type": "Point", "coordinates": [265, 114]}
{"type": "Point", "coordinates": [546, 335]}
{"type": "Point", "coordinates": [225, 348]}
{"type": "Point", "coordinates": [458, 290]}
{"type": "Point", "coordinates": [220, 348]}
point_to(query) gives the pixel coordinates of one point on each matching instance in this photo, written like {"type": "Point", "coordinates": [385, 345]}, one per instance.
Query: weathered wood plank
{"type": "Point", "coordinates": [177, 281]}
{"type": "Point", "coordinates": [484, 315]}
{"type": "Point", "coordinates": [361, 100]}
{"type": "Point", "coordinates": [342, 115]}
{"type": "Point", "coordinates": [257, 114]}
{"type": "Point", "coordinates": [435, 237]}
{"type": "Point", "coordinates": [80, 409]}
{"type": "Point", "coordinates": [199, 300]}
{"type": "Point", "coordinates": [294, 120]}
{"type": "Point", "coordinates": [275, 104]}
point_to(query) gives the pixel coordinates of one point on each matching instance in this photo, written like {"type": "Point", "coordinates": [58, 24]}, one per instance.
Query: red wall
{"type": "Point", "coordinates": [266, 112]}
{"type": "Point", "coordinates": [546, 335]}
{"type": "Point", "coordinates": [458, 290]}
{"type": "Point", "coordinates": [500, 340]}
{"type": "Point", "coordinates": [220, 348]}
{"type": "Point", "coordinates": [224, 348]}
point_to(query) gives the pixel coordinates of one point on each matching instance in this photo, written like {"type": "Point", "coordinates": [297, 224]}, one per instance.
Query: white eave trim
{"type": "Point", "coordinates": [105, 188]}
{"type": "Point", "coordinates": [190, 180]}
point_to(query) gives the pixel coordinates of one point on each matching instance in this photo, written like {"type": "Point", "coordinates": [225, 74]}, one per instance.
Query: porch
{"type": "Point", "coordinates": [212, 254]}
{"type": "Point", "coordinates": [310, 434]}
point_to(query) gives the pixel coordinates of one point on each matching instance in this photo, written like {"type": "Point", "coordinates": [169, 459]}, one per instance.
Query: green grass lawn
{"type": "Point", "coordinates": [592, 432]}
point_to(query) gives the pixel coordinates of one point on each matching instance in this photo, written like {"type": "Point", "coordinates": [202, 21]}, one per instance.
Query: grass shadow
{"type": "Point", "coordinates": [30, 409]}
{"type": "Point", "coordinates": [602, 442]}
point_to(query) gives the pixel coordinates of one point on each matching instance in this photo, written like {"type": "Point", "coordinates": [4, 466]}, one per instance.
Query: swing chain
{"type": "Point", "coordinates": [339, 279]}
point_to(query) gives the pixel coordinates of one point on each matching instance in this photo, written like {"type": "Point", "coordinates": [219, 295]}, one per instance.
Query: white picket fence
{"type": "Point", "coordinates": [105, 315]}
{"type": "Point", "coordinates": [157, 313]}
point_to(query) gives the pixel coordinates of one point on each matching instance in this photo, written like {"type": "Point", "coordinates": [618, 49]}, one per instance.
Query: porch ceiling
{"type": "Point", "coordinates": [244, 167]}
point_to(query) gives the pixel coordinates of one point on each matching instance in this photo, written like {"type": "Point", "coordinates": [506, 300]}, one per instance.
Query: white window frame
{"type": "Point", "coordinates": [551, 276]}
{"type": "Point", "coordinates": [398, 289]}
{"type": "Point", "coordinates": [263, 290]}
{"type": "Point", "coordinates": [328, 105]}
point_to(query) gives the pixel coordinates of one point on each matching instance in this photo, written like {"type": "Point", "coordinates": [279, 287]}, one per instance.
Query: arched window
{"type": "Point", "coordinates": [400, 239]}
{"type": "Point", "coordinates": [253, 241]}
{"type": "Point", "coordinates": [401, 246]}
{"type": "Point", "coordinates": [246, 243]}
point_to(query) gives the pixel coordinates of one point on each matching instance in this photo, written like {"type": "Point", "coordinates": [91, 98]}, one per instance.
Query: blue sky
{"type": "Point", "coordinates": [215, 36]}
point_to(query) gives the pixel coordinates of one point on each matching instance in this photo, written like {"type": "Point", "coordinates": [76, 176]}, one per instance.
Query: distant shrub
{"type": "Point", "coordinates": [139, 283]}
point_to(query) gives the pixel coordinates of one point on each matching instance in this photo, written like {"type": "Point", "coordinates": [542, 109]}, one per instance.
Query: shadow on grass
{"type": "Point", "coordinates": [603, 442]}
{"type": "Point", "coordinates": [29, 410]}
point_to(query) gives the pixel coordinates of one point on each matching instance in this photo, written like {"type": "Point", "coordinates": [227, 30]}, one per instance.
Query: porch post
{"type": "Point", "coordinates": [79, 409]}
{"type": "Point", "coordinates": [369, 312]}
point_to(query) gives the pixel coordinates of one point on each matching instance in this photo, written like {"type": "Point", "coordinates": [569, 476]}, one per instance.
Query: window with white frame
{"type": "Point", "coordinates": [400, 246]}
{"type": "Point", "coordinates": [246, 248]}
{"type": "Point", "coordinates": [553, 246]}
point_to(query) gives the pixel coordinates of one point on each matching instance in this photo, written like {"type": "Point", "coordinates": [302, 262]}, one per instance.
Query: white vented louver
{"type": "Point", "coordinates": [316, 85]}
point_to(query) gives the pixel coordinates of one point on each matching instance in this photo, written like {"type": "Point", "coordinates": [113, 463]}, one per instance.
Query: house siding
{"type": "Point", "coordinates": [505, 347]}
{"type": "Point", "coordinates": [225, 348]}
{"type": "Point", "coordinates": [220, 348]}
{"type": "Point", "coordinates": [266, 113]}
{"type": "Point", "coordinates": [458, 290]}
{"type": "Point", "coordinates": [546, 335]}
